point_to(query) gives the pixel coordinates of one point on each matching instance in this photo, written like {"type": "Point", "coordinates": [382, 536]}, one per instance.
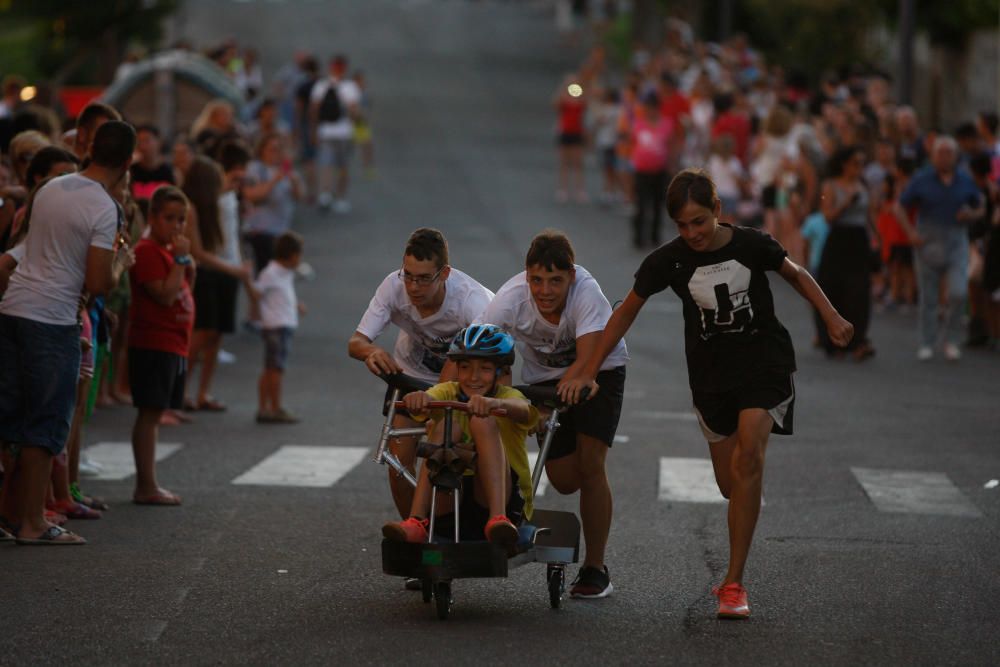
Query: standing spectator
{"type": "Point", "coordinates": [979, 168]}
{"type": "Point", "coordinates": [151, 170]}
{"type": "Point", "coordinates": [910, 140]}
{"type": "Point", "coordinates": [219, 277]}
{"type": "Point", "coordinates": [305, 129]}
{"type": "Point", "coordinates": [71, 247]}
{"type": "Point", "coordinates": [280, 310]}
{"type": "Point", "coordinates": [650, 150]}
{"type": "Point", "coordinates": [570, 102]}
{"type": "Point", "coordinates": [160, 318]}
{"type": "Point", "coordinates": [182, 156]}
{"type": "Point", "coordinates": [727, 173]}
{"type": "Point", "coordinates": [272, 188]}
{"type": "Point", "coordinates": [333, 107]}
{"type": "Point", "coordinates": [897, 253]}
{"type": "Point", "coordinates": [946, 200]}
{"type": "Point", "coordinates": [266, 122]}
{"type": "Point", "coordinates": [730, 120]}
{"type": "Point", "coordinates": [363, 125]}
{"type": "Point", "coordinates": [90, 119]}
{"type": "Point", "coordinates": [214, 126]}
{"type": "Point", "coordinates": [846, 264]}
{"type": "Point", "coordinates": [605, 124]}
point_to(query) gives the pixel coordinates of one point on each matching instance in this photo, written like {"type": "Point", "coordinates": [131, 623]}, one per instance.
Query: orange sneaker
{"type": "Point", "coordinates": [732, 601]}
{"type": "Point", "coordinates": [501, 532]}
{"type": "Point", "coordinates": [411, 530]}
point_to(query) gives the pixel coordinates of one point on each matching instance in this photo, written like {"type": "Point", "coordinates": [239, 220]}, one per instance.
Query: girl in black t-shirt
{"type": "Point", "coordinates": [740, 357]}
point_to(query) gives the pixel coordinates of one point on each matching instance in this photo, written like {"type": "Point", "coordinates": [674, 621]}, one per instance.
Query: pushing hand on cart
{"type": "Point", "coordinates": [479, 454]}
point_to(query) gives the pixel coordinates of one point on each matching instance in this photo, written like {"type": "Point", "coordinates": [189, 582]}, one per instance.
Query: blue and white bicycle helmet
{"type": "Point", "coordinates": [483, 341]}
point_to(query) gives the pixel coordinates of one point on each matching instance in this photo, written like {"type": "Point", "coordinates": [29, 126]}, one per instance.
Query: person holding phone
{"type": "Point", "coordinates": [272, 189]}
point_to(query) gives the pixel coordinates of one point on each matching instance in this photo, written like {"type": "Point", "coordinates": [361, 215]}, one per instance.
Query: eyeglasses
{"type": "Point", "coordinates": [423, 279]}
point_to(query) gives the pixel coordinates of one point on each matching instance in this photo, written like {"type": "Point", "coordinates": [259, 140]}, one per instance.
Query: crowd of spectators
{"type": "Point", "coordinates": [124, 252]}
{"type": "Point", "coordinates": [888, 212]}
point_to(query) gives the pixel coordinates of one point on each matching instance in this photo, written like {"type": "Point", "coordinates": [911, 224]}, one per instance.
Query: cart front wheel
{"type": "Point", "coordinates": [442, 597]}
{"type": "Point", "coordinates": [556, 581]}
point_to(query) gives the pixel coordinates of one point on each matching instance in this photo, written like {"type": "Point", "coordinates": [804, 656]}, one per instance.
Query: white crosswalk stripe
{"type": "Point", "coordinates": [687, 480]}
{"type": "Point", "coordinates": [543, 483]}
{"type": "Point", "coordinates": [116, 460]}
{"type": "Point", "coordinates": [298, 465]}
{"type": "Point", "coordinates": [914, 492]}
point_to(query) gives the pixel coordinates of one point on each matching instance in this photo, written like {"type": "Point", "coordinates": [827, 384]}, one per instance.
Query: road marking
{"type": "Point", "coordinates": [298, 465]}
{"type": "Point", "coordinates": [664, 414]}
{"type": "Point", "coordinates": [914, 492]}
{"type": "Point", "coordinates": [621, 439]}
{"type": "Point", "coordinates": [543, 483]}
{"type": "Point", "coordinates": [153, 630]}
{"type": "Point", "coordinates": [116, 460]}
{"type": "Point", "coordinates": [686, 480]}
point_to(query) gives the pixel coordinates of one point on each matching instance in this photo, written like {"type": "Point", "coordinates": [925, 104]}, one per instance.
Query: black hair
{"type": "Point", "coordinates": [427, 244]}
{"type": "Point", "coordinates": [691, 185]}
{"type": "Point", "coordinates": [165, 194]}
{"type": "Point", "coordinates": [840, 157]}
{"type": "Point", "coordinates": [113, 145]}
{"type": "Point", "coordinates": [233, 154]}
{"type": "Point", "coordinates": [94, 112]}
{"type": "Point", "coordinates": [287, 245]}
{"type": "Point", "coordinates": [990, 120]}
{"type": "Point", "coordinates": [981, 164]}
{"type": "Point", "coordinates": [148, 127]}
{"type": "Point", "coordinates": [966, 131]}
{"type": "Point", "coordinates": [551, 250]}
{"type": "Point", "coordinates": [41, 164]}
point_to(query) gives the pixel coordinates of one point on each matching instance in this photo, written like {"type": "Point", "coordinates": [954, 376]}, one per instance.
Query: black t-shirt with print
{"type": "Point", "coordinates": [730, 330]}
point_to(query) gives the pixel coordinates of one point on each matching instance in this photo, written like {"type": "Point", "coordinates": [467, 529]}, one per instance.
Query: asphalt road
{"type": "Point", "coordinates": [269, 574]}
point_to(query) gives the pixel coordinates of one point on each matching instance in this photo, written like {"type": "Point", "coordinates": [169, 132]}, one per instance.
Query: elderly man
{"type": "Point", "coordinates": [946, 200]}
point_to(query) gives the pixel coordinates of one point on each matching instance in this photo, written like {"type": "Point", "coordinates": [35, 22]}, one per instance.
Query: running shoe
{"type": "Point", "coordinates": [732, 601]}
{"type": "Point", "coordinates": [501, 532]}
{"type": "Point", "coordinates": [951, 352]}
{"type": "Point", "coordinates": [411, 530]}
{"type": "Point", "coordinates": [591, 583]}
{"type": "Point", "coordinates": [925, 353]}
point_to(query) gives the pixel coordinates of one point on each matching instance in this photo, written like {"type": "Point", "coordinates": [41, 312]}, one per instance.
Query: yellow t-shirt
{"type": "Point", "coordinates": [512, 434]}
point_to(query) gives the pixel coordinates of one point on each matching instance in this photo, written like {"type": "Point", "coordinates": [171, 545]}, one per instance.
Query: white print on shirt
{"type": "Point", "coordinates": [722, 294]}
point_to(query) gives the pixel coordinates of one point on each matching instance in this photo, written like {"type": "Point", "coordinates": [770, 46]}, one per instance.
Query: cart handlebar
{"type": "Point", "coordinates": [452, 405]}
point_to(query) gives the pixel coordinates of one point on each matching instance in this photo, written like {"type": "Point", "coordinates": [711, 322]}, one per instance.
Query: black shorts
{"type": "Point", "coordinates": [276, 344]}
{"type": "Point", "coordinates": [597, 417]}
{"type": "Point", "coordinates": [902, 254]}
{"type": "Point", "coordinates": [156, 378]}
{"type": "Point", "coordinates": [719, 412]}
{"type": "Point", "coordinates": [570, 139]}
{"type": "Point", "coordinates": [473, 516]}
{"type": "Point", "coordinates": [215, 301]}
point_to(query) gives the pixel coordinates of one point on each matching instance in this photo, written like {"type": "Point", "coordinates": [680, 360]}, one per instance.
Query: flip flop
{"type": "Point", "coordinates": [76, 510]}
{"type": "Point", "coordinates": [209, 404]}
{"type": "Point", "coordinates": [53, 536]}
{"type": "Point", "coordinates": [164, 498]}
{"type": "Point", "coordinates": [55, 517]}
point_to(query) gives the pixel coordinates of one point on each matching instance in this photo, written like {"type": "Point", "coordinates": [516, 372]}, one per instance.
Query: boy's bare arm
{"type": "Point", "coordinates": [841, 331]}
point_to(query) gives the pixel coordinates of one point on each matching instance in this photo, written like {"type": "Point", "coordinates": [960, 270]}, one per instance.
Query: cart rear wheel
{"type": "Point", "coordinates": [442, 597]}
{"type": "Point", "coordinates": [556, 581]}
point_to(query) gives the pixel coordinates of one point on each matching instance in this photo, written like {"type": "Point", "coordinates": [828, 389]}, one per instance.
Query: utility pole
{"type": "Point", "coordinates": [907, 26]}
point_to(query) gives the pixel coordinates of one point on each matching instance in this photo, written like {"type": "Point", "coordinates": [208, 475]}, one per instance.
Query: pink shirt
{"type": "Point", "coordinates": [649, 150]}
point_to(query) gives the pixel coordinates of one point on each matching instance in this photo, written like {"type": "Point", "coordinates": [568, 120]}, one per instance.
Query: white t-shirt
{"type": "Point", "coordinates": [350, 95]}
{"type": "Point", "coordinates": [423, 341]}
{"type": "Point", "coordinates": [725, 173]}
{"type": "Point", "coordinates": [548, 349]}
{"type": "Point", "coordinates": [278, 303]}
{"type": "Point", "coordinates": [229, 220]}
{"type": "Point", "coordinates": [71, 213]}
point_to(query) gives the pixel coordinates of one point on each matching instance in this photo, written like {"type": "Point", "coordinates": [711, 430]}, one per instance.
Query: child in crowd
{"type": "Point", "coordinates": [897, 253]}
{"type": "Point", "coordinates": [161, 317]}
{"type": "Point", "coordinates": [279, 311]}
{"type": "Point", "coordinates": [726, 171]}
{"type": "Point", "coordinates": [605, 122]}
{"type": "Point", "coordinates": [498, 496]}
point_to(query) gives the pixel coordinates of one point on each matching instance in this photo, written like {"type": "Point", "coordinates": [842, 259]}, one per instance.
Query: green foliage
{"type": "Point", "coordinates": [62, 35]}
{"type": "Point", "coordinates": [947, 23]}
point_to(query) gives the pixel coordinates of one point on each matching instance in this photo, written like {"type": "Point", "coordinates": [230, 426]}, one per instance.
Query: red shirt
{"type": "Point", "coordinates": [738, 126]}
{"type": "Point", "coordinates": [650, 145]}
{"type": "Point", "coordinates": [571, 116]}
{"type": "Point", "coordinates": [675, 107]}
{"type": "Point", "coordinates": [154, 326]}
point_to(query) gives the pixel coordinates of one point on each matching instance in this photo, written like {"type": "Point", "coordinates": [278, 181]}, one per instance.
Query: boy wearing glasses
{"type": "Point", "coordinates": [430, 302]}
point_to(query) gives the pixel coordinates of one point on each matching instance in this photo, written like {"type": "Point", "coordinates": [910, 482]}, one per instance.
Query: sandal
{"type": "Point", "coordinates": [75, 510]}
{"type": "Point", "coordinates": [209, 404]}
{"type": "Point", "coordinates": [93, 502]}
{"type": "Point", "coordinates": [161, 497]}
{"type": "Point", "coordinates": [55, 517]}
{"type": "Point", "coordinates": [53, 536]}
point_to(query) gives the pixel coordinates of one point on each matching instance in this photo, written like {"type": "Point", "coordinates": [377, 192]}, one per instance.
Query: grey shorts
{"type": "Point", "coordinates": [276, 344]}
{"type": "Point", "coordinates": [335, 152]}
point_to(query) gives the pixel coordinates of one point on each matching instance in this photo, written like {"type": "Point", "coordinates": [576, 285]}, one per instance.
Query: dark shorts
{"type": "Point", "coordinates": [719, 412]}
{"type": "Point", "coordinates": [276, 344]}
{"type": "Point", "coordinates": [609, 159]}
{"type": "Point", "coordinates": [473, 516]}
{"type": "Point", "coordinates": [902, 254]}
{"type": "Point", "coordinates": [215, 301]}
{"type": "Point", "coordinates": [157, 379]}
{"type": "Point", "coordinates": [597, 418]}
{"type": "Point", "coordinates": [570, 139]}
{"type": "Point", "coordinates": [39, 368]}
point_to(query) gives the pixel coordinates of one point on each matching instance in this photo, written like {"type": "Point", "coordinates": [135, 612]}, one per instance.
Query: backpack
{"type": "Point", "coordinates": [330, 109]}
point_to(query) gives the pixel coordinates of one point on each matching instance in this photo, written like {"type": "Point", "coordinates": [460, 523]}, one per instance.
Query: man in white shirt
{"type": "Point", "coordinates": [556, 312]}
{"type": "Point", "coordinates": [430, 302]}
{"type": "Point", "coordinates": [333, 106]}
{"type": "Point", "coordinates": [72, 245]}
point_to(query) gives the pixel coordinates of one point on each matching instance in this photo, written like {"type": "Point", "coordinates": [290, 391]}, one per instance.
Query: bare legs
{"type": "Point", "coordinates": [205, 344]}
{"type": "Point", "coordinates": [584, 471]}
{"type": "Point", "coordinates": [739, 471]}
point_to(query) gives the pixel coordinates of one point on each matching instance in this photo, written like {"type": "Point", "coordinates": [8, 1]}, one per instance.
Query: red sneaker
{"type": "Point", "coordinates": [501, 532]}
{"type": "Point", "coordinates": [732, 601]}
{"type": "Point", "coordinates": [411, 530]}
